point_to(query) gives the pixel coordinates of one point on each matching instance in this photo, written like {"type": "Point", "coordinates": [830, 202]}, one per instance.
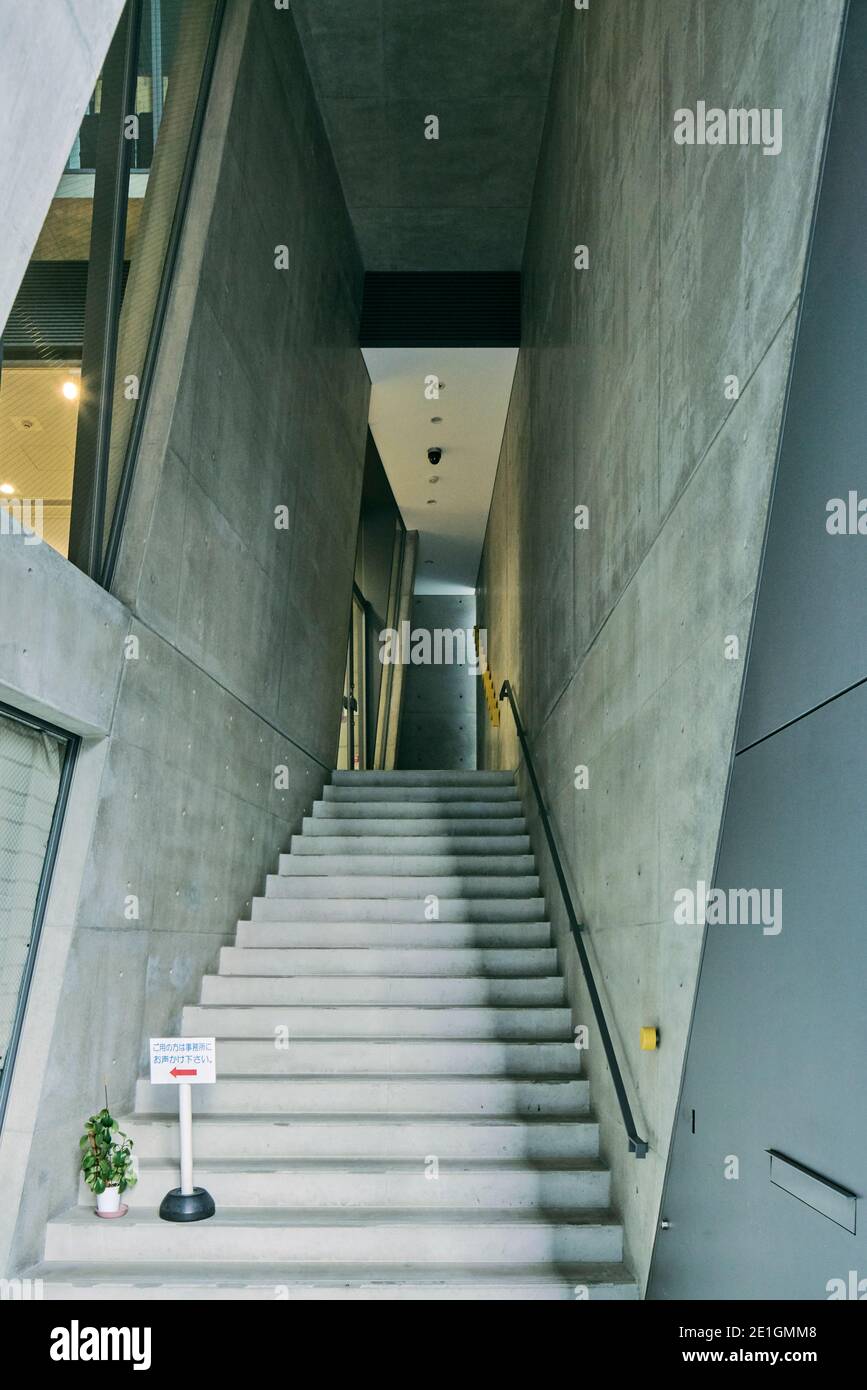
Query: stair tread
{"type": "Point", "coordinates": [357, 1165]}
{"type": "Point", "coordinates": [342, 1216]}
{"type": "Point", "coordinates": [364, 1004]}
{"type": "Point", "coordinates": [361, 1117]}
{"type": "Point", "coordinates": [186, 1272]}
{"type": "Point", "coordinates": [398, 1040]}
{"type": "Point", "coordinates": [400, 776]}
{"type": "Point", "coordinates": [446, 1079]}
{"type": "Point", "coordinates": [379, 975]}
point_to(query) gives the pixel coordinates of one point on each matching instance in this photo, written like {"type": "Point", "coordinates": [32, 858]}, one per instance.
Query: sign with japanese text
{"type": "Point", "coordinates": [176, 1060]}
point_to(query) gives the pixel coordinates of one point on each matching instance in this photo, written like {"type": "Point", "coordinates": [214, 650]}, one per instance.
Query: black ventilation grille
{"type": "Point", "coordinates": [441, 309]}
{"type": "Point", "coordinates": [46, 322]}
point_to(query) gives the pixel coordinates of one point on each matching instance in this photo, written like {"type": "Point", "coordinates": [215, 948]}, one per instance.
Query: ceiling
{"type": "Point", "coordinates": [37, 442]}
{"type": "Point", "coordinates": [451, 514]}
{"type": "Point", "coordinates": [483, 68]}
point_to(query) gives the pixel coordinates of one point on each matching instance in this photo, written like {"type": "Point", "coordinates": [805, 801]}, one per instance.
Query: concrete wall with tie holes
{"type": "Point", "coordinates": [220, 654]}
{"type": "Point", "coordinates": [616, 636]}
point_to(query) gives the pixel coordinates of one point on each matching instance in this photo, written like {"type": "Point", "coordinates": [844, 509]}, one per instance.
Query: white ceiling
{"type": "Point", "coordinates": [473, 406]}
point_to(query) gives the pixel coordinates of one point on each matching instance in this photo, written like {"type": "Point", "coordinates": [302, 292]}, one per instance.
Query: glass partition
{"type": "Point", "coordinates": [31, 763]}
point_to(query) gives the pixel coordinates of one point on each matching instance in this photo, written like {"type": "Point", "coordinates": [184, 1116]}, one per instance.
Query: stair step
{"type": "Point", "coordinates": [368, 1136]}
{"type": "Point", "coordinates": [374, 1021]}
{"type": "Point", "coordinates": [261, 1282]}
{"type": "Point", "coordinates": [393, 886]}
{"type": "Point", "coordinates": [389, 1057]}
{"type": "Point", "coordinates": [432, 793]}
{"type": "Point", "coordinates": [438, 991]}
{"type": "Point", "coordinates": [401, 866]}
{"type": "Point", "coordinates": [362, 846]}
{"type": "Point", "coordinates": [424, 778]}
{"type": "Point", "coordinates": [411, 809]}
{"type": "Point", "coordinates": [413, 909]}
{"type": "Point", "coordinates": [399, 1112]}
{"type": "Point", "coordinates": [431, 963]}
{"type": "Point", "coordinates": [374, 1237]}
{"type": "Point", "coordinates": [375, 1095]}
{"type": "Point", "coordinates": [324, 933]}
{"type": "Point", "coordinates": [285, 933]}
{"type": "Point", "coordinates": [379, 1183]}
{"type": "Point", "coordinates": [413, 826]}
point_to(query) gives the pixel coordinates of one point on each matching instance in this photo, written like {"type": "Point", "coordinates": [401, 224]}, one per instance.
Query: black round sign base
{"type": "Point", "coordinates": [197, 1205]}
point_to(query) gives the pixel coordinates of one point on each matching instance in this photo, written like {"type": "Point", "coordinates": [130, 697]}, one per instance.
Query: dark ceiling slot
{"type": "Point", "coordinates": [441, 309]}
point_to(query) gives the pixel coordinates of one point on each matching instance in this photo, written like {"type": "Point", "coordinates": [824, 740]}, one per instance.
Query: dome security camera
{"type": "Point", "coordinates": [434, 456]}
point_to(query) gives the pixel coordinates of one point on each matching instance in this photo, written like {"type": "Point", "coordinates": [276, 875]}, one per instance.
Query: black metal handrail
{"type": "Point", "coordinates": [637, 1145]}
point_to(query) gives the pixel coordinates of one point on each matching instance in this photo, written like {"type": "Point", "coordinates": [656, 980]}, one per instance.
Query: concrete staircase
{"type": "Point", "coordinates": [400, 1112]}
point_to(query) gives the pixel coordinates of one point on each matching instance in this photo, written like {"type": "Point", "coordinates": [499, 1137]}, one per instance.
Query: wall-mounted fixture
{"type": "Point", "coordinates": [649, 1039]}
{"type": "Point", "coordinates": [488, 687]}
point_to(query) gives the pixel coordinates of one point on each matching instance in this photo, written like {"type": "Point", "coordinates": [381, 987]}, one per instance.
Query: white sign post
{"type": "Point", "coordinates": [185, 1062]}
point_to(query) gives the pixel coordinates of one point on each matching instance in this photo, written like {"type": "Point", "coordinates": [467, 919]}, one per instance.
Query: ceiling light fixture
{"type": "Point", "coordinates": [436, 419]}
{"type": "Point", "coordinates": [70, 390]}
{"type": "Point", "coordinates": [434, 478]}
{"type": "Point", "coordinates": [7, 489]}
{"type": "Point", "coordinates": [431, 501]}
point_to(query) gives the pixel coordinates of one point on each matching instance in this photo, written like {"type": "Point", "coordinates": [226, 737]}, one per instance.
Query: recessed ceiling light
{"type": "Point", "coordinates": [434, 479]}
{"type": "Point", "coordinates": [7, 489]}
{"type": "Point", "coordinates": [70, 390]}
{"type": "Point", "coordinates": [431, 501]}
{"type": "Point", "coordinates": [428, 562]}
{"type": "Point", "coordinates": [436, 419]}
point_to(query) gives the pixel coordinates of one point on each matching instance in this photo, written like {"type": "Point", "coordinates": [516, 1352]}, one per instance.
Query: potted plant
{"type": "Point", "coordinates": [106, 1161]}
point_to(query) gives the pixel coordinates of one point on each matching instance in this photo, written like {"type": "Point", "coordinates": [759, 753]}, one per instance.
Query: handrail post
{"type": "Point", "coordinates": [637, 1145]}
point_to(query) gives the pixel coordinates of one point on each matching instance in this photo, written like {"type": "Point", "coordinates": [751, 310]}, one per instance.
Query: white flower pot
{"type": "Point", "coordinates": [109, 1200]}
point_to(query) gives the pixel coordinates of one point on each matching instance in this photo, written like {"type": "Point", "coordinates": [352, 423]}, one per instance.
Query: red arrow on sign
{"type": "Point", "coordinates": [177, 1071]}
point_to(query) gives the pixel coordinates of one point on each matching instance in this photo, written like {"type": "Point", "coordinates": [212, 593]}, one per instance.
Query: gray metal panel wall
{"type": "Point", "coordinates": [810, 637]}
{"type": "Point", "coordinates": [776, 1052]}
{"type": "Point", "coordinates": [776, 1057]}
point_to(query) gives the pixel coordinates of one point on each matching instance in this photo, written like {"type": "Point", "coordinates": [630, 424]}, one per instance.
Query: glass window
{"type": "Point", "coordinates": [74, 349]}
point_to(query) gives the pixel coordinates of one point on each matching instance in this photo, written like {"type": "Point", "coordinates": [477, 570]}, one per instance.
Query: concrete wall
{"type": "Point", "coordinates": [615, 637]}
{"type": "Point", "coordinates": [438, 725]}
{"type": "Point", "coordinates": [50, 58]}
{"type": "Point", "coordinates": [260, 402]}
